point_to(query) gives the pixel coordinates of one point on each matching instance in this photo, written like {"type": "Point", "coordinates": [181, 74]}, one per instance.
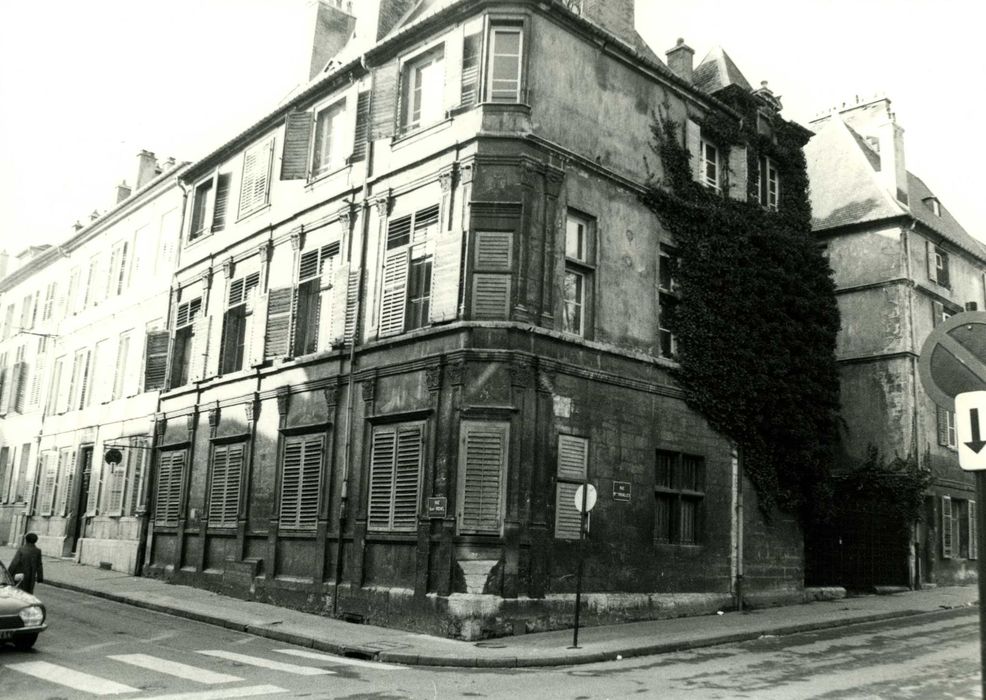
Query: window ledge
{"type": "Point", "coordinates": [316, 180]}
{"type": "Point", "coordinates": [408, 137]}
{"type": "Point", "coordinates": [519, 107]}
{"type": "Point", "coordinates": [253, 212]}
{"type": "Point", "coordinates": [189, 242]}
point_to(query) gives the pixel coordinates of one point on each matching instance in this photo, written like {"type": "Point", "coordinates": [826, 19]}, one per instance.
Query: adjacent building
{"type": "Point", "coordinates": [902, 264]}
{"type": "Point", "coordinates": [420, 303]}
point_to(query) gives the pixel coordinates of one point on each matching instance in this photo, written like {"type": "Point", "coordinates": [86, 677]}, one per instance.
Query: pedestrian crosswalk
{"type": "Point", "coordinates": [120, 682]}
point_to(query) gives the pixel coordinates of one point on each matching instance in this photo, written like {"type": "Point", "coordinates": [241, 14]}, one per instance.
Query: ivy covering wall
{"type": "Point", "coordinates": [756, 320]}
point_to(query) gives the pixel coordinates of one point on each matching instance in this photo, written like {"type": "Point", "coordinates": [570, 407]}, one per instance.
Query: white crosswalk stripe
{"type": "Point", "coordinates": [223, 693]}
{"type": "Point", "coordinates": [267, 663]}
{"type": "Point", "coordinates": [76, 680]}
{"type": "Point", "coordinates": [173, 668]}
{"type": "Point", "coordinates": [342, 660]}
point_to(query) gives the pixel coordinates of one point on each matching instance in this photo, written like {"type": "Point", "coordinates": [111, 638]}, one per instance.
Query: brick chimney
{"type": "Point", "coordinates": [122, 191]}
{"type": "Point", "coordinates": [389, 15]}
{"type": "Point", "coordinates": [680, 60]}
{"type": "Point", "coordinates": [615, 16]}
{"type": "Point", "coordinates": [147, 168]}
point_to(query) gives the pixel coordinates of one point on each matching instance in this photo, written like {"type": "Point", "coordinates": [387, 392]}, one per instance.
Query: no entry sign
{"type": "Point", "coordinates": [953, 358]}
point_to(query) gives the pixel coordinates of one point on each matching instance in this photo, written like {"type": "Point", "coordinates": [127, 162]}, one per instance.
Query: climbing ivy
{"type": "Point", "coordinates": [756, 321]}
{"type": "Point", "coordinates": [897, 486]}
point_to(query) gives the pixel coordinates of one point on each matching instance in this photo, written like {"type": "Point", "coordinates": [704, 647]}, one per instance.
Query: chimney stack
{"type": "Point", "coordinates": [146, 168]}
{"type": "Point", "coordinates": [122, 191]}
{"type": "Point", "coordinates": [615, 16]}
{"type": "Point", "coordinates": [333, 28]}
{"type": "Point", "coordinates": [877, 124]}
{"type": "Point", "coordinates": [680, 60]}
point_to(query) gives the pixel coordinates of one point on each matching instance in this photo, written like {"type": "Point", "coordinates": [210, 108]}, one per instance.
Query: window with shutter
{"type": "Point", "coordinates": [328, 149]}
{"type": "Point", "coordinates": [572, 472]}
{"type": "Point", "coordinates": [235, 322]}
{"type": "Point", "coordinates": [171, 473]}
{"type": "Point", "coordinates": [395, 477]}
{"type": "Point", "coordinates": [492, 268]}
{"type": "Point", "coordinates": [422, 89]}
{"type": "Point", "coordinates": [224, 487]}
{"type": "Point", "coordinates": [301, 481]}
{"type": "Point", "coordinates": [384, 104]}
{"type": "Point", "coordinates": [222, 201]}
{"type": "Point", "coordinates": [294, 153]}
{"type": "Point", "coordinates": [483, 463]}
{"type": "Point", "coordinates": [155, 361]}
{"type": "Point", "coordinates": [946, 428]}
{"type": "Point", "coordinates": [186, 319]}
{"type": "Point", "coordinates": [50, 483]}
{"type": "Point", "coordinates": [256, 177]}
{"type": "Point", "coordinates": [136, 473]}
{"type": "Point", "coordinates": [393, 298]}
{"type": "Point", "coordinates": [66, 474]}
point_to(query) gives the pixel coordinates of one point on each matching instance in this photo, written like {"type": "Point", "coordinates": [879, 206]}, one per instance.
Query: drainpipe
{"type": "Point", "coordinates": [350, 404]}
{"type": "Point", "coordinates": [739, 528]}
{"type": "Point", "coordinates": [915, 420]}
{"type": "Point", "coordinates": [144, 533]}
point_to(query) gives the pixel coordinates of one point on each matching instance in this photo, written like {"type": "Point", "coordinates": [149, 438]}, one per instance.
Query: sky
{"type": "Point", "coordinates": [87, 84]}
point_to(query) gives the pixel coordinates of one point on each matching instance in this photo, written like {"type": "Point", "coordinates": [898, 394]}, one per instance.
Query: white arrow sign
{"type": "Point", "coordinates": [970, 429]}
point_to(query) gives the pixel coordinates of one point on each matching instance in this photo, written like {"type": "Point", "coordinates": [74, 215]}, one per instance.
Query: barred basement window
{"type": "Point", "coordinates": [483, 449]}
{"type": "Point", "coordinates": [301, 481]}
{"type": "Point", "coordinates": [395, 477]}
{"type": "Point", "coordinates": [572, 472]}
{"type": "Point", "coordinates": [679, 492]}
{"type": "Point", "coordinates": [224, 484]}
{"type": "Point", "coordinates": [171, 474]}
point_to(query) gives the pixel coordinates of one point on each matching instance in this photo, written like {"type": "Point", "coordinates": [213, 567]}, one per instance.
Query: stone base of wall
{"type": "Point", "coordinates": [118, 555]}
{"type": "Point", "coordinates": [52, 546]}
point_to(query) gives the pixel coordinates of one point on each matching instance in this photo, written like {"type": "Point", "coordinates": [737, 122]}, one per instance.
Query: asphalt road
{"type": "Point", "coordinates": [96, 647]}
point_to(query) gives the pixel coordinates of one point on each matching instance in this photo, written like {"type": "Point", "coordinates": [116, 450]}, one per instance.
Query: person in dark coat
{"type": "Point", "coordinates": [27, 561]}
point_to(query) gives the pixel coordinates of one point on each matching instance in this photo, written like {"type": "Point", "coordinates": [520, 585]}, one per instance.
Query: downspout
{"type": "Point", "coordinates": [739, 528]}
{"type": "Point", "coordinates": [350, 404]}
{"type": "Point", "coordinates": [915, 420]}
{"type": "Point", "coordinates": [144, 533]}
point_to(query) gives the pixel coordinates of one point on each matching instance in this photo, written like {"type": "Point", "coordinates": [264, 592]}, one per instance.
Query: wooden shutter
{"type": "Point", "coordinates": [155, 359]}
{"type": "Point", "coordinates": [301, 481]}
{"type": "Point", "coordinates": [929, 252]}
{"type": "Point", "coordinates": [573, 458]}
{"type": "Point", "coordinates": [737, 172]}
{"type": "Point", "coordinates": [973, 532]}
{"type": "Point", "coordinates": [50, 482]}
{"type": "Point", "coordinates": [407, 478]}
{"type": "Point", "coordinates": [297, 139]}
{"type": "Point", "coordinates": [95, 484]}
{"type": "Point", "coordinates": [256, 176]}
{"type": "Point", "coordinates": [469, 88]}
{"type": "Point", "coordinates": [340, 293]}
{"type": "Point", "coordinates": [362, 132]}
{"type": "Point", "coordinates": [937, 312]}
{"type": "Point", "coordinates": [946, 527]}
{"type": "Point", "coordinates": [171, 472]}
{"type": "Point", "coordinates": [66, 476]}
{"type": "Point", "coordinates": [200, 348]}
{"type": "Point", "coordinates": [277, 337]}
{"type": "Point", "coordinates": [445, 277]}
{"type": "Point", "coordinates": [325, 308]}
{"type": "Point", "coordinates": [221, 205]}
{"type": "Point", "coordinates": [494, 250]}
{"type": "Point", "coordinates": [693, 142]}
{"type": "Point", "coordinates": [568, 520]}
{"type": "Point", "coordinates": [482, 468]}
{"type": "Point", "coordinates": [384, 105]}
{"type": "Point", "coordinates": [382, 454]}
{"type": "Point", "coordinates": [18, 386]}
{"type": "Point", "coordinates": [353, 289]}
{"type": "Point", "coordinates": [224, 491]}
{"type": "Point", "coordinates": [490, 296]}
{"type": "Point", "coordinates": [116, 485]}
{"type": "Point", "coordinates": [393, 298]}
{"type": "Point", "coordinates": [943, 276]}
{"type": "Point", "coordinates": [943, 426]}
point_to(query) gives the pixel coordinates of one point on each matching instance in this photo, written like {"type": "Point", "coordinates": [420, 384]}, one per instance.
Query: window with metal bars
{"type": "Point", "coordinates": [224, 484]}
{"type": "Point", "coordinates": [301, 481]}
{"type": "Point", "coordinates": [679, 493]}
{"type": "Point", "coordinates": [395, 477]}
{"type": "Point", "coordinates": [171, 474]}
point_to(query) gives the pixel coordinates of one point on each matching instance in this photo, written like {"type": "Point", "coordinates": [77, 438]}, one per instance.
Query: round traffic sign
{"type": "Point", "coordinates": [113, 456]}
{"type": "Point", "coordinates": [590, 498]}
{"type": "Point", "coordinates": [953, 358]}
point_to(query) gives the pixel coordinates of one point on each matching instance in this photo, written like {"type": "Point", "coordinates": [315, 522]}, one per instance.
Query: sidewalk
{"type": "Point", "coordinates": [541, 649]}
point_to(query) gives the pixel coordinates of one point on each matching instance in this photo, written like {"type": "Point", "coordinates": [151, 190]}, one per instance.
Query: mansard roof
{"type": "Point", "coordinates": [846, 189]}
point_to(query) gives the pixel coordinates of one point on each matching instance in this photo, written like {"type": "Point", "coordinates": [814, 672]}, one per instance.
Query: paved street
{"type": "Point", "coordinates": [98, 647]}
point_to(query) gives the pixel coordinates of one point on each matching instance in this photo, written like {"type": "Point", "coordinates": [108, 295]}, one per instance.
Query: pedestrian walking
{"type": "Point", "coordinates": [27, 561]}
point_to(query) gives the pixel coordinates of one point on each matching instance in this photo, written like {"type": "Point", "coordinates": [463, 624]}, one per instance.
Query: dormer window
{"type": "Point", "coordinates": [934, 205]}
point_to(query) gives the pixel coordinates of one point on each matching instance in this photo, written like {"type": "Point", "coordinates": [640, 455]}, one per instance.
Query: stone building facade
{"type": "Point", "coordinates": [417, 306]}
{"type": "Point", "coordinates": [902, 264]}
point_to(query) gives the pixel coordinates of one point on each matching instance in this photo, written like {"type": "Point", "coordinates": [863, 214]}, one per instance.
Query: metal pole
{"type": "Point", "coordinates": [980, 539]}
{"type": "Point", "coordinates": [578, 576]}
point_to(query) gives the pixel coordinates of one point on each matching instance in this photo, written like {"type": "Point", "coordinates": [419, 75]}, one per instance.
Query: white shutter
{"type": "Point", "coordinates": [393, 298]}
{"type": "Point", "coordinates": [326, 297]}
{"type": "Point", "coordinates": [573, 458]}
{"type": "Point", "coordinates": [693, 142]}
{"type": "Point", "coordinates": [946, 527]}
{"type": "Point", "coordinates": [445, 277]}
{"type": "Point", "coordinates": [929, 251]}
{"type": "Point", "coordinates": [382, 454]}
{"type": "Point", "coordinates": [737, 172]}
{"type": "Point", "coordinates": [95, 483]}
{"type": "Point", "coordinates": [568, 520]}
{"type": "Point", "coordinates": [490, 296]}
{"type": "Point", "coordinates": [258, 328]}
{"type": "Point", "coordinates": [339, 294]}
{"type": "Point", "coordinates": [200, 348]}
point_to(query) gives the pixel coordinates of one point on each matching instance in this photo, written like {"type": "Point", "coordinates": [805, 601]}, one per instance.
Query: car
{"type": "Point", "coordinates": [22, 616]}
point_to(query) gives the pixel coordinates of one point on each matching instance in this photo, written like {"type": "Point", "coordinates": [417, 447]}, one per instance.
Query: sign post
{"type": "Point", "coordinates": [585, 499]}
{"type": "Point", "coordinates": [953, 372]}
